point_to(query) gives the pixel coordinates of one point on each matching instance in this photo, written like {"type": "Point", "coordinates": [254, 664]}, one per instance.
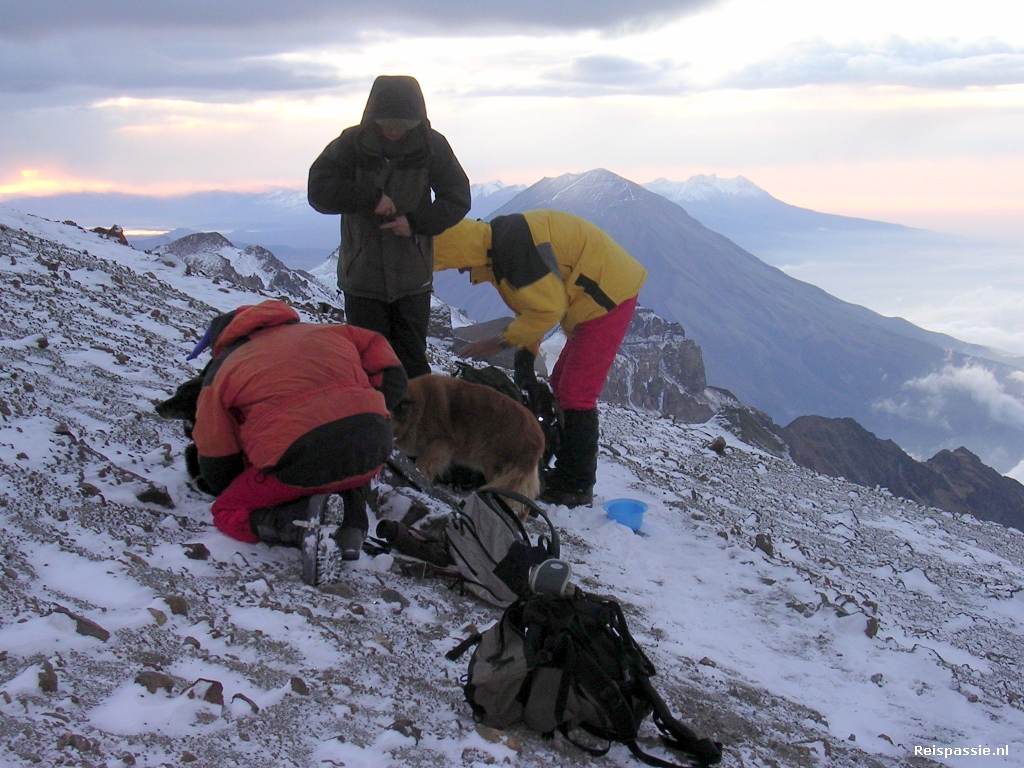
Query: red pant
{"type": "Point", "coordinates": [253, 490]}
{"type": "Point", "coordinates": [582, 368]}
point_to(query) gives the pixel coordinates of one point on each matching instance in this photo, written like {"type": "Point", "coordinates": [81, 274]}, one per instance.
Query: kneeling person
{"type": "Point", "coordinates": [289, 413]}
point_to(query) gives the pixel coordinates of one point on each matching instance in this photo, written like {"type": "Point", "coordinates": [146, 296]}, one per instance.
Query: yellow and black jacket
{"type": "Point", "coordinates": [550, 267]}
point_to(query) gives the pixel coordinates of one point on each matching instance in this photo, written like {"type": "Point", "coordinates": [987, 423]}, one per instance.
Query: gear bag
{"type": "Point", "coordinates": [492, 549]}
{"type": "Point", "coordinates": [491, 376]}
{"type": "Point", "coordinates": [569, 664]}
{"type": "Point", "coordinates": [483, 537]}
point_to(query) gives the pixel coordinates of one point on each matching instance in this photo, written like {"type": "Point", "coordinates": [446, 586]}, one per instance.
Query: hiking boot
{"type": "Point", "coordinates": [350, 542]}
{"type": "Point", "coordinates": [571, 482]}
{"type": "Point", "coordinates": [408, 541]}
{"type": "Point", "coordinates": [571, 499]}
{"type": "Point", "coordinates": [286, 523]}
{"type": "Point", "coordinates": [319, 552]}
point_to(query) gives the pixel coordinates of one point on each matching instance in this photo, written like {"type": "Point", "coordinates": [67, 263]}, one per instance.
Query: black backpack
{"type": "Point", "coordinates": [491, 376]}
{"type": "Point", "coordinates": [570, 664]}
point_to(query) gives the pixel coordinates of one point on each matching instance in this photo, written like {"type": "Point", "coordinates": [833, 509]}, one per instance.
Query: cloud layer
{"type": "Point", "coordinates": [894, 61]}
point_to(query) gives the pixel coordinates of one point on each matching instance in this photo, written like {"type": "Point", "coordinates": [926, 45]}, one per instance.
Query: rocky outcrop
{"type": "Point", "coordinates": [113, 233]}
{"type": "Point", "coordinates": [955, 481]}
{"type": "Point", "coordinates": [988, 494]}
{"type": "Point", "coordinates": [253, 267]}
{"type": "Point", "coordinates": [659, 370]}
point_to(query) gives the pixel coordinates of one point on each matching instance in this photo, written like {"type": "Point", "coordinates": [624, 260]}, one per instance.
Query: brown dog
{"type": "Point", "coordinates": [444, 419]}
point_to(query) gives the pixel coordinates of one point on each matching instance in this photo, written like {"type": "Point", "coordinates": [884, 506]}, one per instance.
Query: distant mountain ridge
{"type": "Point", "coordinates": [956, 481]}
{"type": "Point", "coordinates": [754, 219]}
{"type": "Point", "coordinates": [280, 220]}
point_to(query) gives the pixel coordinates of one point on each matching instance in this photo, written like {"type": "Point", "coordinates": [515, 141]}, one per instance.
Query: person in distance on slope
{"type": "Point", "coordinates": [289, 413]}
{"type": "Point", "coordinates": [552, 267]}
{"type": "Point", "coordinates": [379, 175]}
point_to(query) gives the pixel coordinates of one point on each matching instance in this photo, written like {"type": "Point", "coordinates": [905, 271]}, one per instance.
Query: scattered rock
{"type": "Point", "coordinates": [197, 551]}
{"type": "Point", "coordinates": [48, 678]}
{"type": "Point", "coordinates": [763, 541]}
{"type": "Point", "coordinates": [177, 604]}
{"type": "Point", "coordinates": [393, 596]}
{"type": "Point", "coordinates": [492, 735]}
{"type": "Point", "coordinates": [872, 628]}
{"type": "Point", "coordinates": [84, 626]}
{"type": "Point", "coordinates": [89, 490]}
{"type": "Point", "coordinates": [159, 616]}
{"type": "Point", "coordinates": [299, 686]}
{"type": "Point", "coordinates": [717, 445]}
{"type": "Point", "coordinates": [153, 681]}
{"type": "Point", "coordinates": [406, 727]}
{"type": "Point", "coordinates": [74, 740]}
{"type": "Point", "coordinates": [708, 662]}
{"type": "Point", "coordinates": [154, 495]}
{"type": "Point", "coordinates": [135, 558]}
{"type": "Point", "coordinates": [207, 690]}
{"type": "Point", "coordinates": [255, 707]}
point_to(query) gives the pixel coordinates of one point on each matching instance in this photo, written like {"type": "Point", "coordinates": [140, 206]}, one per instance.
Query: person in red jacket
{"type": "Point", "coordinates": [289, 413]}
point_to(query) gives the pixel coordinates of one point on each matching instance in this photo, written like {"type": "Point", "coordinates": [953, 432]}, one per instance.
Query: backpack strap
{"type": "Point", "coordinates": [496, 494]}
{"type": "Point", "coordinates": [455, 653]}
{"type": "Point", "coordinates": [678, 736]}
{"type": "Point", "coordinates": [649, 759]}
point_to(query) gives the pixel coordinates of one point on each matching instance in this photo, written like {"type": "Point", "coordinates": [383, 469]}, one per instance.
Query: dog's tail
{"type": "Point", "coordinates": [524, 482]}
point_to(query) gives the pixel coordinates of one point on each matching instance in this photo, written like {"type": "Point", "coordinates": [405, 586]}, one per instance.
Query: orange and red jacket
{"type": "Point", "coordinates": [305, 402]}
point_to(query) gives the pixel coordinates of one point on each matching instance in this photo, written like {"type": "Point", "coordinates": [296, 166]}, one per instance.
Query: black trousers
{"type": "Point", "coordinates": [403, 323]}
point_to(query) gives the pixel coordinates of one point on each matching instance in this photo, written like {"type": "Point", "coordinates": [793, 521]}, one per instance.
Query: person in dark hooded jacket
{"type": "Point", "coordinates": [289, 413]}
{"type": "Point", "coordinates": [397, 184]}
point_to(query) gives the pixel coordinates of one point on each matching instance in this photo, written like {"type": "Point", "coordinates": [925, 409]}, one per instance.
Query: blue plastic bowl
{"type": "Point", "coordinates": [629, 512]}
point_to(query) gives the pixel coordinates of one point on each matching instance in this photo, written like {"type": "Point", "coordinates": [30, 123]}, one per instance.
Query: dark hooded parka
{"type": "Point", "coordinates": [418, 172]}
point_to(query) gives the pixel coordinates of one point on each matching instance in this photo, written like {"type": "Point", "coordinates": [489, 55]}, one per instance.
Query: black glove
{"type": "Point", "coordinates": [523, 373]}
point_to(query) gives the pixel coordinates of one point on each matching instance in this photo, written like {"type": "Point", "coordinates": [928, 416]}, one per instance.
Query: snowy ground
{"type": "Point", "coordinates": [802, 621]}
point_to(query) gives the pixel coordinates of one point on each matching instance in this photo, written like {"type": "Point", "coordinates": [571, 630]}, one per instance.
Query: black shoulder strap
{"type": "Point", "coordinates": [496, 493]}
{"type": "Point", "coordinates": [675, 734]}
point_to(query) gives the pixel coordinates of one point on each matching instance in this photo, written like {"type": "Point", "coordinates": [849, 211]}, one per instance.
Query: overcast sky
{"type": "Point", "coordinates": [908, 110]}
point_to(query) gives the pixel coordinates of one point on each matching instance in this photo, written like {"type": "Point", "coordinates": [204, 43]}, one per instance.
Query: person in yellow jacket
{"type": "Point", "coordinates": [552, 267]}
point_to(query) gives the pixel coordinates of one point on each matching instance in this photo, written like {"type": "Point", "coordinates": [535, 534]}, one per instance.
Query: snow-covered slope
{"type": "Point", "coordinates": [801, 620]}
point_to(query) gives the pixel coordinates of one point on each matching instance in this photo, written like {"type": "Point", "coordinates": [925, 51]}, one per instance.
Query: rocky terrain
{"type": "Point", "coordinates": [798, 618]}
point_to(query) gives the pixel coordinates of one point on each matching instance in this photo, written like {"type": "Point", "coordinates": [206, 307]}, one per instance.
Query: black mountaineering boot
{"type": "Point", "coordinates": [571, 482]}
{"type": "Point", "coordinates": [355, 523]}
{"type": "Point", "coordinates": [284, 524]}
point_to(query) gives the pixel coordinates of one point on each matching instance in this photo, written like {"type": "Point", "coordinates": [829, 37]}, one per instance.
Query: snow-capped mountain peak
{"type": "Point", "coordinates": [705, 187]}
